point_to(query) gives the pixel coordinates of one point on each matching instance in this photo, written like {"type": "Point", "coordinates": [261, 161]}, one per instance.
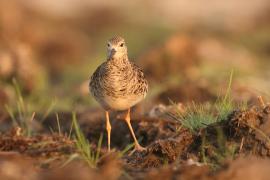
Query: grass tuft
{"type": "Point", "coordinates": [20, 113]}
{"type": "Point", "coordinates": [214, 149]}
{"type": "Point", "coordinates": [199, 116]}
{"type": "Point", "coordinates": [83, 146]}
{"type": "Point", "coordinates": [196, 117]}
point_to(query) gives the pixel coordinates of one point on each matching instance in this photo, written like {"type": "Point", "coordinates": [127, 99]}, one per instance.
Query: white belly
{"type": "Point", "coordinates": [120, 104]}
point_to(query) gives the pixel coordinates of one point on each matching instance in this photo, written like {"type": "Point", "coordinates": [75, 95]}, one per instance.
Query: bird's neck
{"type": "Point", "coordinates": [119, 61]}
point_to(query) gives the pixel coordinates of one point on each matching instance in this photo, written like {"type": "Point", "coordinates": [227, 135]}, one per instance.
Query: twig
{"type": "Point", "coordinates": [242, 143]}
{"type": "Point", "coordinates": [261, 101]}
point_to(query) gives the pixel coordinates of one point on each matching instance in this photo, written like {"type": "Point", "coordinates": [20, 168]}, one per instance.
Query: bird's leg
{"type": "Point", "coordinates": [108, 127]}
{"type": "Point", "coordinates": [138, 147]}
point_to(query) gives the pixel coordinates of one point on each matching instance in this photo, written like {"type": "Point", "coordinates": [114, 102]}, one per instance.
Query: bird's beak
{"type": "Point", "coordinates": [112, 53]}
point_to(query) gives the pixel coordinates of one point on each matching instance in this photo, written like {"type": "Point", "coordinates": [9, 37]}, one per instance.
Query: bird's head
{"type": "Point", "coordinates": [116, 48]}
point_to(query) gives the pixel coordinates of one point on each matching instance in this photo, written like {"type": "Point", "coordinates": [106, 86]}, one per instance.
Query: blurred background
{"type": "Point", "coordinates": [187, 49]}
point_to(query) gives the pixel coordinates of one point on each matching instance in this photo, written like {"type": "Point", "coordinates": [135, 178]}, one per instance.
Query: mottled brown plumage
{"type": "Point", "coordinates": [118, 84]}
{"type": "Point", "coordinates": [112, 85]}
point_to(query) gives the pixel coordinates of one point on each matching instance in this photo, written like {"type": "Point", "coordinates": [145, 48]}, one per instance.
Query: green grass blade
{"type": "Point", "coordinates": [99, 147]}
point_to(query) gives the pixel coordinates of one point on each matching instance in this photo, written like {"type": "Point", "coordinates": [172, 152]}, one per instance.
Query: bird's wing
{"type": "Point", "coordinates": [141, 86]}
{"type": "Point", "coordinates": [95, 78]}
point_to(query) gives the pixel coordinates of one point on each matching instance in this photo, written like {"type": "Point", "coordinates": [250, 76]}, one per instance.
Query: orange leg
{"type": "Point", "coordinates": [138, 147]}
{"type": "Point", "coordinates": [108, 127]}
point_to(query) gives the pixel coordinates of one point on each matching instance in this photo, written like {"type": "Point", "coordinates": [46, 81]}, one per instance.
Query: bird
{"type": "Point", "coordinates": [118, 84]}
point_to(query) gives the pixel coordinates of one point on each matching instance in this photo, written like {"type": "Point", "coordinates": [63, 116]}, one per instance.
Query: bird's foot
{"type": "Point", "coordinates": [138, 148]}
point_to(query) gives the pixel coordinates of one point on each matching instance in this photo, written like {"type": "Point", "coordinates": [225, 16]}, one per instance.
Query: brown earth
{"type": "Point", "coordinates": [177, 53]}
{"type": "Point", "coordinates": [187, 92]}
{"type": "Point", "coordinates": [173, 152]}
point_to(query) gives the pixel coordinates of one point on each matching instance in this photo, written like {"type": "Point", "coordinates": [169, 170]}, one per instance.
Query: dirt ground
{"type": "Point", "coordinates": [173, 152]}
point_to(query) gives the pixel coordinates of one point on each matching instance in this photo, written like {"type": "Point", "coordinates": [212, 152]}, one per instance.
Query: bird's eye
{"type": "Point", "coordinates": [122, 44]}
